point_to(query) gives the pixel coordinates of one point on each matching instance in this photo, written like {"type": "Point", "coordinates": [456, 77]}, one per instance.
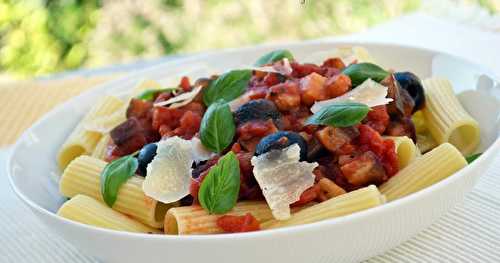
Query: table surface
{"type": "Point", "coordinates": [469, 233]}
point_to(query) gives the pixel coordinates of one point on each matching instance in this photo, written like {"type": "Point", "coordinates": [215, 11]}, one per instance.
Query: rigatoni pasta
{"type": "Point", "coordinates": [82, 176]}
{"type": "Point", "coordinates": [188, 220]}
{"type": "Point", "coordinates": [83, 141]}
{"type": "Point", "coordinates": [345, 204]}
{"type": "Point", "coordinates": [101, 147]}
{"type": "Point", "coordinates": [276, 145]}
{"type": "Point", "coordinates": [406, 150]}
{"type": "Point", "coordinates": [428, 169]}
{"type": "Point", "coordinates": [87, 210]}
{"type": "Point", "coordinates": [446, 119]}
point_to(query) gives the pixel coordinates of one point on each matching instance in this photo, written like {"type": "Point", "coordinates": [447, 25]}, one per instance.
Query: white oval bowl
{"type": "Point", "coordinates": [33, 172]}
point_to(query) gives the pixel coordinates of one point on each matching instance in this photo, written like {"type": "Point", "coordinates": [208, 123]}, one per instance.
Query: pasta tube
{"type": "Point", "coordinates": [349, 203]}
{"type": "Point", "coordinates": [82, 176]}
{"type": "Point", "coordinates": [446, 119]}
{"type": "Point", "coordinates": [329, 188]}
{"type": "Point", "coordinates": [101, 147]}
{"type": "Point", "coordinates": [426, 170]}
{"type": "Point", "coordinates": [87, 210]}
{"type": "Point", "coordinates": [187, 220]}
{"type": "Point", "coordinates": [406, 150]}
{"type": "Point", "coordinates": [83, 141]}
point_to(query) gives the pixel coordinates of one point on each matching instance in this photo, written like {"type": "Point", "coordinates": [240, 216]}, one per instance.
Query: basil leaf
{"type": "Point", "coordinates": [220, 188]}
{"type": "Point", "coordinates": [150, 93]}
{"type": "Point", "coordinates": [273, 56]}
{"type": "Point", "coordinates": [228, 86]}
{"type": "Point", "coordinates": [217, 127]}
{"type": "Point", "coordinates": [363, 71]}
{"type": "Point", "coordinates": [114, 175]}
{"type": "Point", "coordinates": [472, 157]}
{"type": "Point", "coordinates": [340, 114]}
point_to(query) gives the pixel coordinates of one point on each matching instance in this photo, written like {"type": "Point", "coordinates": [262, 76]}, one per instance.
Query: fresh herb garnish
{"type": "Point", "coordinates": [228, 86]}
{"type": "Point", "coordinates": [150, 93]}
{"type": "Point", "coordinates": [362, 71]}
{"type": "Point", "coordinates": [472, 157]}
{"type": "Point", "coordinates": [114, 175]}
{"type": "Point", "coordinates": [217, 127]}
{"type": "Point", "coordinates": [340, 114]}
{"type": "Point", "coordinates": [220, 188]}
{"type": "Point", "coordinates": [273, 56]}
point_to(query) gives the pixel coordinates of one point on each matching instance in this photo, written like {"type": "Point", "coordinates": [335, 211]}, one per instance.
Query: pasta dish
{"type": "Point", "coordinates": [276, 144]}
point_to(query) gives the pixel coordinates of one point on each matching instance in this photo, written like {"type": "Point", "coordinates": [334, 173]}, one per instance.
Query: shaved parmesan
{"type": "Point", "coordinates": [180, 100]}
{"type": "Point", "coordinates": [369, 92]}
{"type": "Point", "coordinates": [236, 103]}
{"type": "Point", "coordinates": [282, 178]}
{"type": "Point", "coordinates": [169, 174]}
{"type": "Point", "coordinates": [347, 54]}
{"type": "Point", "coordinates": [199, 152]}
{"type": "Point", "coordinates": [284, 69]}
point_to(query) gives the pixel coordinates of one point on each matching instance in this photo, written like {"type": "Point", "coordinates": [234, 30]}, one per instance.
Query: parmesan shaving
{"type": "Point", "coordinates": [181, 99]}
{"type": "Point", "coordinates": [199, 152]}
{"type": "Point", "coordinates": [369, 92]}
{"type": "Point", "coordinates": [236, 103]}
{"type": "Point", "coordinates": [282, 178]}
{"type": "Point", "coordinates": [285, 69]}
{"type": "Point", "coordinates": [169, 174]}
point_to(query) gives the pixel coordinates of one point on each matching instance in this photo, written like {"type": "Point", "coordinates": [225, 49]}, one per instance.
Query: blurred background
{"type": "Point", "coordinates": [40, 37]}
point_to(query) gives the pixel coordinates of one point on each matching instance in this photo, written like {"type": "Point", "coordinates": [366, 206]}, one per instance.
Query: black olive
{"type": "Point", "coordinates": [281, 140]}
{"type": "Point", "coordinates": [411, 83]}
{"type": "Point", "coordinates": [260, 109]}
{"type": "Point", "coordinates": [146, 155]}
{"type": "Point", "coordinates": [186, 200]}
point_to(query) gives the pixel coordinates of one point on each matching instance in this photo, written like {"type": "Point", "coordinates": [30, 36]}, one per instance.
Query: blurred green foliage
{"type": "Point", "coordinates": [38, 37]}
{"type": "Point", "coordinates": [43, 36]}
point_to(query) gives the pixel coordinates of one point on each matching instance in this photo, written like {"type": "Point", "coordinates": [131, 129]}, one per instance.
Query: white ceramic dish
{"type": "Point", "coordinates": [33, 173]}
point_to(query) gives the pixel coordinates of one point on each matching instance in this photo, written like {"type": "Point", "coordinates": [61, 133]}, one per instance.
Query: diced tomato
{"type": "Point", "coordinates": [138, 108]}
{"type": "Point", "coordinates": [189, 125]}
{"type": "Point", "coordinates": [302, 70]}
{"type": "Point", "coordinates": [371, 140]}
{"type": "Point", "coordinates": [236, 148]}
{"type": "Point", "coordinates": [334, 63]}
{"type": "Point", "coordinates": [185, 85]}
{"type": "Point", "coordinates": [166, 116]}
{"type": "Point", "coordinates": [337, 85]}
{"type": "Point", "coordinates": [272, 79]}
{"type": "Point", "coordinates": [238, 224]}
{"type": "Point", "coordinates": [286, 95]}
{"type": "Point", "coordinates": [377, 118]}
{"type": "Point", "coordinates": [311, 88]}
{"type": "Point", "coordinates": [390, 159]}
{"type": "Point", "coordinates": [308, 195]}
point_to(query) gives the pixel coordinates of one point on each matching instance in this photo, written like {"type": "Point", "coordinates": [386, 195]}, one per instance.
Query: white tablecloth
{"type": "Point", "coordinates": [469, 233]}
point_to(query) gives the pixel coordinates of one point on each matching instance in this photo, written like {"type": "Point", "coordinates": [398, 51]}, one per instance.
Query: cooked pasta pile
{"type": "Point", "coordinates": [277, 144]}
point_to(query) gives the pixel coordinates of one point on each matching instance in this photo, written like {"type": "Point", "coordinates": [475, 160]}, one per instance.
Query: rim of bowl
{"type": "Point", "coordinates": [263, 233]}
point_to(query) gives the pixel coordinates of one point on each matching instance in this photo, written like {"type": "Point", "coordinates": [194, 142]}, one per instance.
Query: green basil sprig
{"type": "Point", "coordinates": [227, 86]}
{"type": "Point", "coordinates": [273, 56]}
{"type": "Point", "coordinates": [150, 93]}
{"type": "Point", "coordinates": [340, 114]}
{"type": "Point", "coordinates": [114, 175]}
{"type": "Point", "coordinates": [220, 188]}
{"type": "Point", "coordinates": [217, 127]}
{"type": "Point", "coordinates": [362, 71]}
{"type": "Point", "coordinates": [472, 157]}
